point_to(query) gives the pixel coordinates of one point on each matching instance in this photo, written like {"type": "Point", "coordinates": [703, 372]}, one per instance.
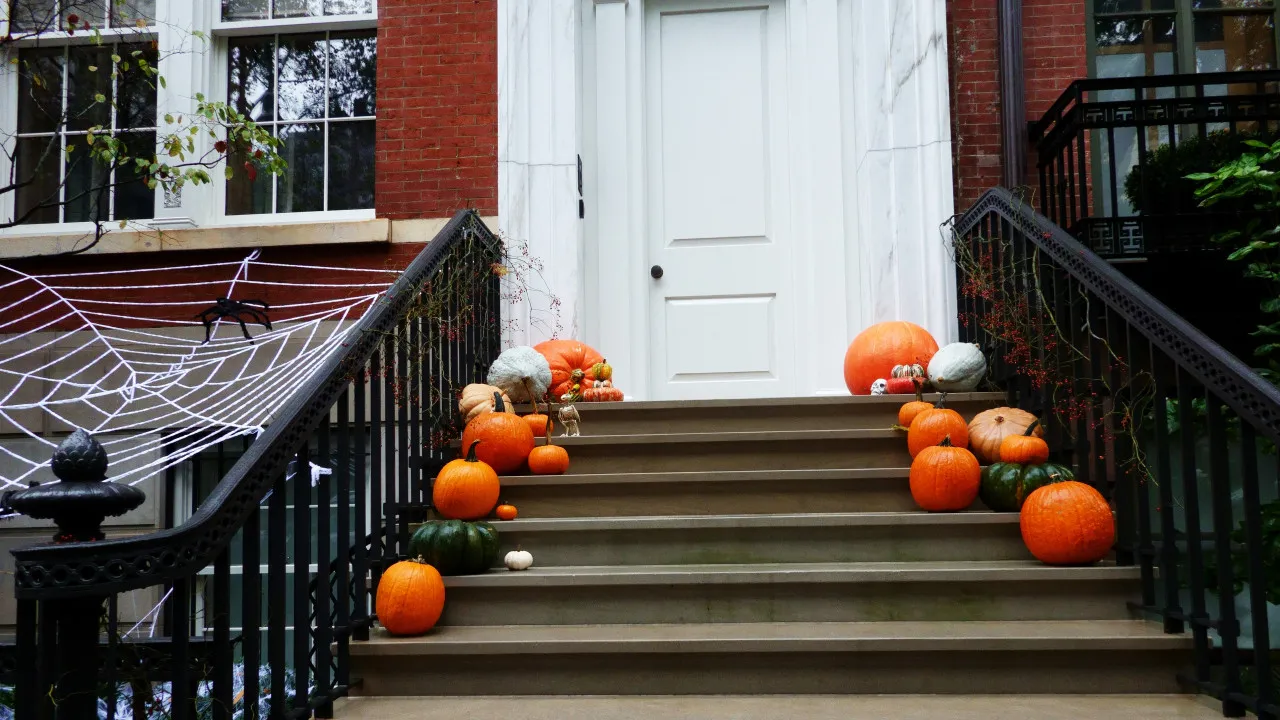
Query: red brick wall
{"type": "Point", "coordinates": [1053, 39]}
{"type": "Point", "coordinates": [437, 148]}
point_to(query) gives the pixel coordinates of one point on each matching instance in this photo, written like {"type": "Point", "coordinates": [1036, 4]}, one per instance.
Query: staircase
{"type": "Point", "coordinates": [767, 547]}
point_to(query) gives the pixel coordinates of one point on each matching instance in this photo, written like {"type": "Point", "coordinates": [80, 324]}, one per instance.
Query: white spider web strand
{"type": "Point", "coordinates": [144, 380]}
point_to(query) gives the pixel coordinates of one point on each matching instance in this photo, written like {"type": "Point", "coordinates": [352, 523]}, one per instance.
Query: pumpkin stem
{"type": "Point", "coordinates": [471, 451]}
{"type": "Point", "coordinates": [498, 405]}
{"type": "Point", "coordinates": [549, 424]}
{"type": "Point", "coordinates": [919, 388]}
{"type": "Point", "coordinates": [1032, 427]}
{"type": "Point", "coordinates": [942, 400]}
{"type": "Point", "coordinates": [946, 441]}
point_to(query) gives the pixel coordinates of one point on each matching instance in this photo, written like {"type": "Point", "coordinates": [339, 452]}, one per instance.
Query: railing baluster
{"type": "Point", "coordinates": [349, 544]}
{"type": "Point", "coordinates": [26, 691]}
{"type": "Point", "coordinates": [251, 610]}
{"type": "Point", "coordinates": [364, 437]}
{"type": "Point", "coordinates": [1199, 619]}
{"type": "Point", "coordinates": [302, 494]}
{"type": "Point", "coordinates": [219, 611]}
{"type": "Point", "coordinates": [1164, 371]}
{"type": "Point", "coordinates": [400, 528]}
{"type": "Point", "coordinates": [181, 678]}
{"type": "Point", "coordinates": [1220, 485]}
{"type": "Point", "coordinates": [392, 450]}
{"type": "Point", "coordinates": [1258, 605]}
{"type": "Point", "coordinates": [414, 402]}
{"type": "Point", "coordinates": [277, 548]}
{"type": "Point", "coordinates": [377, 472]}
{"type": "Point", "coordinates": [323, 632]}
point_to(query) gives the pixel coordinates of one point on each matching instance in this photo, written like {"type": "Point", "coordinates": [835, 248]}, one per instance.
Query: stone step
{"type": "Point", "coordinates": [810, 413]}
{"type": "Point", "coordinates": [1100, 656]}
{"type": "Point", "coordinates": [722, 492]}
{"type": "Point", "coordinates": [775, 707]}
{"type": "Point", "coordinates": [815, 592]}
{"type": "Point", "coordinates": [776, 538]}
{"type": "Point", "coordinates": [756, 450]}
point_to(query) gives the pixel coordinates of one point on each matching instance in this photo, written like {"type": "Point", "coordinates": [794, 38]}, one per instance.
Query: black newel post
{"type": "Point", "coordinates": [78, 505]}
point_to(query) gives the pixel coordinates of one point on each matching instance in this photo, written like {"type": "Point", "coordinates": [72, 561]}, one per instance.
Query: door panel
{"type": "Point", "coordinates": [721, 318]}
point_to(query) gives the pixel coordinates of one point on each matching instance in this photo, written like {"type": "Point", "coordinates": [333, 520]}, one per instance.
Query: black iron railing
{"type": "Point", "coordinates": [274, 574]}
{"type": "Point", "coordinates": [1176, 432]}
{"type": "Point", "coordinates": [1112, 154]}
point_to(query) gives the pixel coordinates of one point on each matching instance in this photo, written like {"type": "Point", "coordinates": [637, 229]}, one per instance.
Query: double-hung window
{"type": "Point", "coordinates": [1160, 37]}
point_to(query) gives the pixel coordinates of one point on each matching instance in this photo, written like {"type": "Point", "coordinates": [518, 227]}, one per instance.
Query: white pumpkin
{"type": "Point", "coordinates": [518, 560]}
{"type": "Point", "coordinates": [957, 367]}
{"type": "Point", "coordinates": [519, 371]}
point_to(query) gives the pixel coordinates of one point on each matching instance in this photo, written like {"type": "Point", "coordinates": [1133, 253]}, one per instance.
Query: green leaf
{"type": "Point", "coordinates": [229, 172]}
{"type": "Point", "coordinates": [163, 84]}
{"type": "Point", "coordinates": [100, 97]}
{"type": "Point", "coordinates": [93, 68]}
{"type": "Point", "coordinates": [115, 58]}
{"type": "Point", "coordinates": [123, 223]}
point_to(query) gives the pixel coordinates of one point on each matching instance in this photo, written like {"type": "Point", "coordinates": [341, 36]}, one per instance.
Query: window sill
{"type": "Point", "coordinates": [340, 232]}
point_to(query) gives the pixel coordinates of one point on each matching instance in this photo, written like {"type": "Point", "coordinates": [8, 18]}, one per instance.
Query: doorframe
{"type": "Point", "coordinates": [615, 182]}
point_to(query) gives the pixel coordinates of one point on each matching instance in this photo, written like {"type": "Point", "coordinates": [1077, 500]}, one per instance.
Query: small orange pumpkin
{"type": "Point", "coordinates": [506, 438]}
{"type": "Point", "coordinates": [410, 598]}
{"type": "Point", "coordinates": [932, 426]}
{"type": "Point", "coordinates": [549, 459]}
{"type": "Point", "coordinates": [945, 478]}
{"type": "Point", "coordinates": [540, 424]}
{"type": "Point", "coordinates": [1025, 449]}
{"type": "Point", "coordinates": [909, 411]}
{"type": "Point", "coordinates": [465, 489]}
{"type": "Point", "coordinates": [507, 512]}
{"type": "Point", "coordinates": [602, 393]}
{"type": "Point", "coordinates": [1067, 523]}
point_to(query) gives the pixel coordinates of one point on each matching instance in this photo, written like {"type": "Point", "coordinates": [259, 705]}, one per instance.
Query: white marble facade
{"type": "Point", "coordinates": [871, 171]}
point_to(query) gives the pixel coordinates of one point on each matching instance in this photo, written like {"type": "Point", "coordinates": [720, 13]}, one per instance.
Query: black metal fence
{"type": "Point", "coordinates": [1112, 155]}
{"type": "Point", "coordinates": [263, 588]}
{"type": "Point", "coordinates": [1176, 432]}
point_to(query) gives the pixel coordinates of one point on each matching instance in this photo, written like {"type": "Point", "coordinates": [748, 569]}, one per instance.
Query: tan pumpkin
{"type": "Point", "coordinates": [477, 399]}
{"type": "Point", "coordinates": [989, 428]}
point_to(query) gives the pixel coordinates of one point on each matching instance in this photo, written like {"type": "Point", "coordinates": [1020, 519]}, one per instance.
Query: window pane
{"type": "Point", "coordinates": [1129, 47]}
{"type": "Point", "coordinates": [88, 78]}
{"type": "Point", "coordinates": [351, 165]}
{"type": "Point", "coordinates": [1209, 4]}
{"type": "Point", "coordinates": [1127, 6]}
{"type": "Point", "coordinates": [38, 160]}
{"type": "Point", "coordinates": [136, 106]}
{"type": "Point", "coordinates": [134, 200]}
{"type": "Point", "coordinates": [301, 187]}
{"type": "Point", "coordinates": [40, 90]}
{"type": "Point", "coordinates": [244, 9]}
{"type": "Point", "coordinates": [87, 193]}
{"type": "Point", "coordinates": [33, 15]}
{"type": "Point", "coordinates": [347, 7]}
{"type": "Point", "coordinates": [249, 74]}
{"type": "Point", "coordinates": [353, 74]}
{"type": "Point", "coordinates": [298, 8]}
{"type": "Point", "coordinates": [245, 195]}
{"type": "Point", "coordinates": [1235, 42]}
{"type": "Point", "coordinates": [126, 13]}
{"type": "Point", "coordinates": [301, 78]}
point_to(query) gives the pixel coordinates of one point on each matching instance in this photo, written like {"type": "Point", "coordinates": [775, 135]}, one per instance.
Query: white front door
{"type": "Point", "coordinates": [721, 320]}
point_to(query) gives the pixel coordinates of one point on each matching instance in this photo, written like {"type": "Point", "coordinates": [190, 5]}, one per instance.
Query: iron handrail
{"type": "Point", "coordinates": [118, 565]}
{"type": "Point", "coordinates": [1246, 392]}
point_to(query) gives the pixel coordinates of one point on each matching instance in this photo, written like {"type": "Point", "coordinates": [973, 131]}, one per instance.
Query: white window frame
{"type": "Point", "coordinates": [202, 70]}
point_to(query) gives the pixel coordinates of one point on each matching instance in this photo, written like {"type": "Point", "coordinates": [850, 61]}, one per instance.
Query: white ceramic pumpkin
{"type": "Point", "coordinates": [519, 371]}
{"type": "Point", "coordinates": [518, 560]}
{"type": "Point", "coordinates": [477, 399]}
{"type": "Point", "coordinates": [957, 367]}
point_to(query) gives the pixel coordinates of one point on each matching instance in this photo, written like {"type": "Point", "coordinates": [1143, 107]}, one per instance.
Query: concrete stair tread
{"type": "Point", "coordinates": [739, 436]}
{"type": "Point", "coordinates": [781, 476]}
{"type": "Point", "coordinates": [729, 573]}
{"type": "Point", "coordinates": [826, 400]}
{"type": "Point", "coordinates": [665, 522]}
{"type": "Point", "coordinates": [758, 637]}
{"type": "Point", "coordinates": [773, 707]}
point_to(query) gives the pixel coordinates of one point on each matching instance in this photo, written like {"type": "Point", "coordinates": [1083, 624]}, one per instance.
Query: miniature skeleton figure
{"type": "Point", "coordinates": [569, 418]}
{"type": "Point", "coordinates": [878, 387]}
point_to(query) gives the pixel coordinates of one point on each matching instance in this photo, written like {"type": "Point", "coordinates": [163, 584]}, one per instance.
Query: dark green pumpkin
{"type": "Point", "coordinates": [454, 547]}
{"type": "Point", "coordinates": [1005, 485]}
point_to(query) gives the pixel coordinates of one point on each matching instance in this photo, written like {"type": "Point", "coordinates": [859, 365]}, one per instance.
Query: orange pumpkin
{"type": "Point", "coordinates": [1025, 449]}
{"type": "Point", "coordinates": [540, 424]}
{"type": "Point", "coordinates": [945, 478]}
{"type": "Point", "coordinates": [565, 356]}
{"type": "Point", "coordinates": [602, 393]}
{"type": "Point", "coordinates": [549, 459]}
{"type": "Point", "coordinates": [465, 489]}
{"type": "Point", "coordinates": [1067, 523]}
{"type": "Point", "coordinates": [410, 598]}
{"type": "Point", "coordinates": [934, 425]}
{"type": "Point", "coordinates": [875, 351]}
{"type": "Point", "coordinates": [909, 411]}
{"type": "Point", "coordinates": [989, 428]}
{"type": "Point", "coordinates": [506, 439]}
{"type": "Point", "coordinates": [506, 512]}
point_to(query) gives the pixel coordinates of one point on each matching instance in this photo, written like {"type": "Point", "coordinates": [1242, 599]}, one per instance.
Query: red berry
{"type": "Point", "coordinates": [73, 18]}
{"type": "Point", "coordinates": [220, 146]}
{"type": "Point", "coordinates": [251, 171]}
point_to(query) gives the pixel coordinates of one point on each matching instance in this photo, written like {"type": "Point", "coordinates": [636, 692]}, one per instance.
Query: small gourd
{"type": "Point", "coordinates": [903, 379]}
{"type": "Point", "coordinates": [506, 512]}
{"type": "Point", "coordinates": [518, 560]}
{"type": "Point", "coordinates": [957, 367]}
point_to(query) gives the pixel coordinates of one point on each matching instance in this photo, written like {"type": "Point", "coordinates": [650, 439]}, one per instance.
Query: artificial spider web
{"type": "Point", "coordinates": [123, 354]}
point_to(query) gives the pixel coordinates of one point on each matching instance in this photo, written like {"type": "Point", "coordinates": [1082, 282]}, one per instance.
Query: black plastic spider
{"type": "Point", "coordinates": [236, 310]}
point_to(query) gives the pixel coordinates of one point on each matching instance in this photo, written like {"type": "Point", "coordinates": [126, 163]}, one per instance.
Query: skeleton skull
{"type": "Point", "coordinates": [879, 386]}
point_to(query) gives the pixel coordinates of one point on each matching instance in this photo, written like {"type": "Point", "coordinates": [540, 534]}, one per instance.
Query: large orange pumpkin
{"type": "Point", "coordinates": [410, 598]}
{"type": "Point", "coordinates": [465, 489]}
{"type": "Point", "coordinates": [1067, 523]}
{"type": "Point", "coordinates": [565, 356]}
{"type": "Point", "coordinates": [945, 478]}
{"type": "Point", "coordinates": [934, 425]}
{"type": "Point", "coordinates": [876, 350]}
{"type": "Point", "coordinates": [505, 439]}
